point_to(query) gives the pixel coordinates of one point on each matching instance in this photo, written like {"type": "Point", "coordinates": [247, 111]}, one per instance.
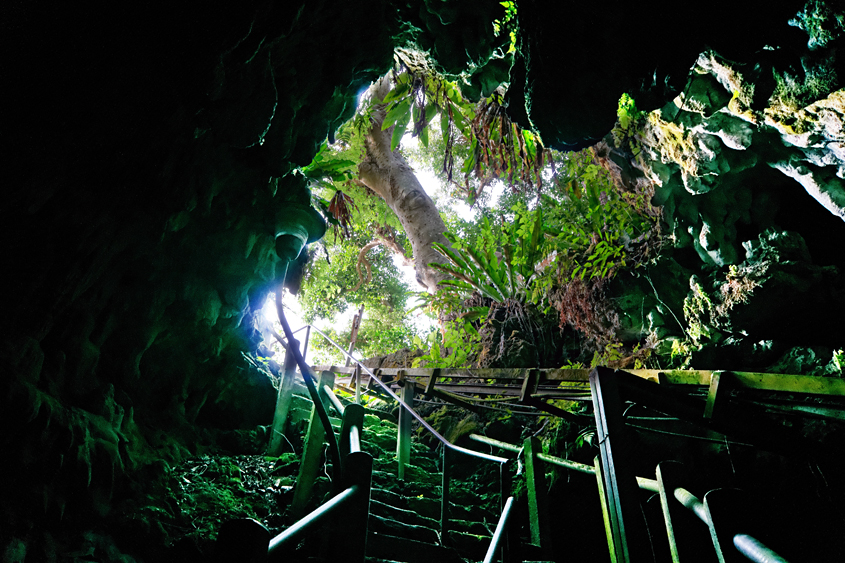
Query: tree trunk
{"type": "Point", "coordinates": [388, 174]}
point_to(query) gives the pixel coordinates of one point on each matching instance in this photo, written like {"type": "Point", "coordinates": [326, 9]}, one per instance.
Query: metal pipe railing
{"type": "Point", "coordinates": [756, 551]}
{"type": "Point", "coordinates": [309, 521]}
{"type": "Point", "coordinates": [354, 439]}
{"type": "Point", "coordinates": [752, 548]}
{"type": "Point", "coordinates": [692, 503]}
{"type": "Point", "coordinates": [749, 546]}
{"type": "Point", "coordinates": [500, 531]}
{"type": "Point", "coordinates": [410, 409]}
{"type": "Point", "coordinates": [333, 399]}
{"type": "Point", "coordinates": [308, 377]}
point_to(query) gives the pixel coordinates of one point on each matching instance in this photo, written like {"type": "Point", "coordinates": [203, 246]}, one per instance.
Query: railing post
{"type": "Point", "coordinates": [605, 512]}
{"type": "Point", "coordinates": [307, 338]}
{"type": "Point", "coordinates": [620, 485]}
{"type": "Point", "coordinates": [283, 400]}
{"type": "Point", "coordinates": [670, 476]}
{"type": "Point", "coordinates": [353, 415]}
{"type": "Point", "coordinates": [403, 441]}
{"type": "Point", "coordinates": [510, 541]}
{"type": "Point", "coordinates": [349, 540]}
{"type": "Point", "coordinates": [726, 511]}
{"type": "Point", "coordinates": [535, 482]}
{"type": "Point", "coordinates": [311, 454]}
{"type": "Point", "coordinates": [444, 497]}
{"type": "Point", "coordinates": [358, 384]}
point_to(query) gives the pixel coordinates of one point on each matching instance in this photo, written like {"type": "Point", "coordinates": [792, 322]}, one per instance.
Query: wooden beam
{"type": "Point", "coordinates": [432, 380]}
{"type": "Point", "coordinates": [535, 484]}
{"type": "Point", "coordinates": [283, 401]}
{"type": "Point", "coordinates": [804, 384]}
{"type": "Point", "coordinates": [312, 452]}
{"type": "Point", "coordinates": [605, 511]}
{"type": "Point", "coordinates": [719, 390]}
{"type": "Point", "coordinates": [620, 484]}
{"type": "Point", "coordinates": [403, 440]}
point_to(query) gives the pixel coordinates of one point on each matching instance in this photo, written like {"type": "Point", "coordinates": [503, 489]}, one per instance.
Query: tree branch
{"type": "Point", "coordinates": [362, 258]}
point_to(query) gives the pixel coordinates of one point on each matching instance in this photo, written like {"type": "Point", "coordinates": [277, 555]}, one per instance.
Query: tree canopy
{"type": "Point", "coordinates": [560, 230]}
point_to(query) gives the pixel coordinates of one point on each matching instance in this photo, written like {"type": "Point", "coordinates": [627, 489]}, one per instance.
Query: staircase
{"type": "Point", "coordinates": [404, 522]}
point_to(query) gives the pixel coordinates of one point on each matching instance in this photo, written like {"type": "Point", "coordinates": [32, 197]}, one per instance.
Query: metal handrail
{"type": "Point", "coordinates": [749, 546]}
{"type": "Point", "coordinates": [333, 399]}
{"type": "Point", "coordinates": [500, 531]}
{"type": "Point", "coordinates": [446, 443]}
{"type": "Point", "coordinates": [310, 520]}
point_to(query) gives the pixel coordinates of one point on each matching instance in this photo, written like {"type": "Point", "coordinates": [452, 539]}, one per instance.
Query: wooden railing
{"type": "Point", "coordinates": [616, 484]}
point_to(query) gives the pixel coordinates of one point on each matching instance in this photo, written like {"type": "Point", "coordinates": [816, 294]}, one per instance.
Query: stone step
{"type": "Point", "coordinates": [382, 525]}
{"type": "Point", "coordinates": [384, 547]}
{"type": "Point", "coordinates": [470, 545]}
{"type": "Point", "coordinates": [429, 507]}
{"type": "Point", "coordinates": [402, 515]}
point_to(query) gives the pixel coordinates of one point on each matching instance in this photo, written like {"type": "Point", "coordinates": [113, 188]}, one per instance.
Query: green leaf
{"type": "Point", "coordinates": [444, 123]}
{"type": "Point", "coordinates": [400, 110]}
{"type": "Point", "coordinates": [399, 131]}
{"type": "Point", "coordinates": [530, 146]}
{"type": "Point", "coordinates": [430, 111]}
{"type": "Point", "coordinates": [400, 90]}
{"type": "Point", "coordinates": [461, 123]}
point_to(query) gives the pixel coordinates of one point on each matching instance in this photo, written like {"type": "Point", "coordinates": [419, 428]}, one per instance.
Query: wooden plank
{"type": "Point", "coordinates": [357, 377]}
{"type": "Point", "coordinates": [670, 475]}
{"type": "Point", "coordinates": [449, 398]}
{"type": "Point", "coordinates": [804, 384]}
{"type": "Point", "coordinates": [432, 380]}
{"type": "Point", "coordinates": [719, 390]}
{"type": "Point", "coordinates": [605, 511]}
{"type": "Point", "coordinates": [529, 384]}
{"type": "Point", "coordinates": [334, 369]}
{"type": "Point", "coordinates": [620, 485]}
{"type": "Point", "coordinates": [283, 401]}
{"type": "Point", "coordinates": [535, 484]}
{"type": "Point", "coordinates": [312, 452]}
{"type": "Point", "coordinates": [551, 409]}
{"type": "Point", "coordinates": [403, 440]}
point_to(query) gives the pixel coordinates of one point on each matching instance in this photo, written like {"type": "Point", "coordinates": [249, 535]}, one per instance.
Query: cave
{"type": "Point", "coordinates": [154, 152]}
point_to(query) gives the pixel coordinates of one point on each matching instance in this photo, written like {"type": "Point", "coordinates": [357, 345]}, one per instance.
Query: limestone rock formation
{"type": "Point", "coordinates": [151, 155]}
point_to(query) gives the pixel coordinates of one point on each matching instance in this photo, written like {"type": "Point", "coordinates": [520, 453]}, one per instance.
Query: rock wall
{"type": "Point", "coordinates": [150, 154]}
{"type": "Point", "coordinates": [151, 151]}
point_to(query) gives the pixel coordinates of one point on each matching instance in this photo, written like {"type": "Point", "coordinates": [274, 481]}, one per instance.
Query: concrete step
{"type": "Point", "coordinates": [382, 546]}
{"type": "Point", "coordinates": [402, 515]}
{"type": "Point", "coordinates": [429, 508]}
{"type": "Point", "coordinates": [383, 525]}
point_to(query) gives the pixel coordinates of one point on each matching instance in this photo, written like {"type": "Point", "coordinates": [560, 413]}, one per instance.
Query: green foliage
{"type": "Point", "coordinates": [507, 22]}
{"type": "Point", "coordinates": [329, 284]}
{"type": "Point", "coordinates": [838, 361]}
{"type": "Point", "coordinates": [598, 226]}
{"type": "Point", "coordinates": [628, 119]}
{"type": "Point", "coordinates": [498, 148]}
{"type": "Point", "coordinates": [613, 352]}
{"type": "Point", "coordinates": [501, 264]}
{"type": "Point", "coordinates": [381, 332]}
{"type": "Point", "coordinates": [454, 347]}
